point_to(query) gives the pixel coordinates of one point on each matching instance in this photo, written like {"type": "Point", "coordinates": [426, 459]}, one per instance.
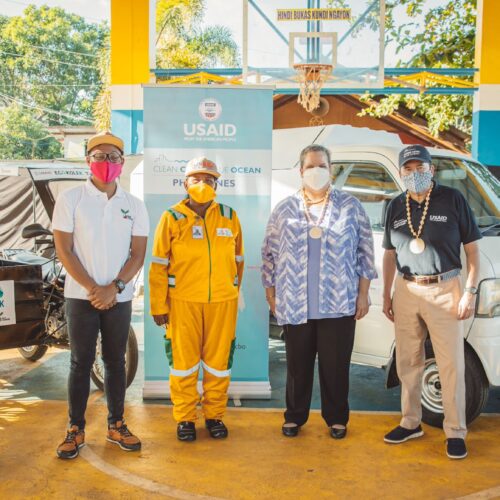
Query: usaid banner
{"type": "Point", "coordinates": [231, 126]}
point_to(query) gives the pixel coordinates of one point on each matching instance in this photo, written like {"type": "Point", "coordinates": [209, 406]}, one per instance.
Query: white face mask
{"type": "Point", "coordinates": [316, 178]}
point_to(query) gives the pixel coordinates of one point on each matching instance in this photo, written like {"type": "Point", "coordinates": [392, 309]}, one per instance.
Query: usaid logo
{"type": "Point", "coordinates": [2, 300]}
{"type": "Point", "coordinates": [210, 109]}
{"type": "Point", "coordinates": [438, 218]}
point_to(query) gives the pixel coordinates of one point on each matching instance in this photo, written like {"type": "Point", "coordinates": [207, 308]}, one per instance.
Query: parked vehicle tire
{"type": "Point", "coordinates": [33, 352]}
{"type": "Point", "coordinates": [131, 361]}
{"type": "Point", "coordinates": [476, 388]}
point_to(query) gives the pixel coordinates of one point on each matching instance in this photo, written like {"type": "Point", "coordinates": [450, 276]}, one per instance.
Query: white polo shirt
{"type": "Point", "coordinates": [102, 233]}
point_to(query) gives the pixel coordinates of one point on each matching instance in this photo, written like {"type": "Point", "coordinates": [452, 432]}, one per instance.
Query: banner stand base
{"type": "Point", "coordinates": [160, 389]}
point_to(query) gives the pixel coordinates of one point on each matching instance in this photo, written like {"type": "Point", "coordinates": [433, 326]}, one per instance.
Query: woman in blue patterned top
{"type": "Point", "coordinates": [317, 266]}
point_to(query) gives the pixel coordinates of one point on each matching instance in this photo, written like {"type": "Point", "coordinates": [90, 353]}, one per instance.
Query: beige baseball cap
{"type": "Point", "coordinates": [202, 165]}
{"type": "Point", "coordinates": [105, 138]}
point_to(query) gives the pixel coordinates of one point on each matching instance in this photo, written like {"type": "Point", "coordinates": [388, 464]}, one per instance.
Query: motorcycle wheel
{"type": "Point", "coordinates": [131, 361]}
{"type": "Point", "coordinates": [33, 352]}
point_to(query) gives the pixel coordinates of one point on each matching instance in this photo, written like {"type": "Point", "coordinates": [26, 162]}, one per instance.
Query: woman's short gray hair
{"type": "Point", "coordinates": [314, 148]}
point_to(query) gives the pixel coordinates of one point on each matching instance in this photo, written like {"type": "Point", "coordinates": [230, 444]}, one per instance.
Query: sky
{"type": "Point", "coordinates": [92, 10]}
{"type": "Point", "coordinates": [216, 13]}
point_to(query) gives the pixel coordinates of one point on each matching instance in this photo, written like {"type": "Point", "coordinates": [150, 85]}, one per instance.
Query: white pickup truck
{"type": "Point", "coordinates": [370, 173]}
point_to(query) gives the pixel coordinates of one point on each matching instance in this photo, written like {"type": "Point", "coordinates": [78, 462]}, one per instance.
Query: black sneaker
{"type": "Point", "coordinates": [290, 430]}
{"type": "Point", "coordinates": [216, 428]}
{"type": "Point", "coordinates": [455, 448]}
{"type": "Point", "coordinates": [186, 431]}
{"type": "Point", "coordinates": [400, 434]}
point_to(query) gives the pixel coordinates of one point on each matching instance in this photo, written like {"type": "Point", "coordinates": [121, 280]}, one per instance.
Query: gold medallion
{"type": "Point", "coordinates": [315, 232]}
{"type": "Point", "coordinates": [417, 245]}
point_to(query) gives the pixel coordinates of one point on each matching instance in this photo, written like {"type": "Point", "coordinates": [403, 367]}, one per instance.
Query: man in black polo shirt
{"type": "Point", "coordinates": [424, 230]}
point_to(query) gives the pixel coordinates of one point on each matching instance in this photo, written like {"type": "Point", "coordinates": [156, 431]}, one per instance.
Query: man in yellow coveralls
{"type": "Point", "coordinates": [194, 279]}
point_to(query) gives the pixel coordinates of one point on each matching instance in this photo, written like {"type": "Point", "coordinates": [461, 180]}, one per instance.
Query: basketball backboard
{"type": "Point", "coordinates": [346, 34]}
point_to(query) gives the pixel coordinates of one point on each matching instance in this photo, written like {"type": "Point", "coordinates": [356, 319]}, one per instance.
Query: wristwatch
{"type": "Point", "coordinates": [120, 285]}
{"type": "Point", "coordinates": [471, 289]}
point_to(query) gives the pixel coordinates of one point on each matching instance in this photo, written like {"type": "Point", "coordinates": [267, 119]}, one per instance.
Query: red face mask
{"type": "Point", "coordinates": [106, 171]}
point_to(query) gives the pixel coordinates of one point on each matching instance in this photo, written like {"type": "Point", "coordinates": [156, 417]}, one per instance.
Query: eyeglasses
{"type": "Point", "coordinates": [113, 157]}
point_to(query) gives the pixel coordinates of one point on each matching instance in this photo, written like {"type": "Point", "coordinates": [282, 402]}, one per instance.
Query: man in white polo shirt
{"type": "Point", "coordinates": [100, 233]}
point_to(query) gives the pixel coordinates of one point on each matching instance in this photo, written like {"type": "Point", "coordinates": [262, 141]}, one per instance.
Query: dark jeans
{"type": "Point", "coordinates": [333, 340]}
{"type": "Point", "coordinates": [84, 324]}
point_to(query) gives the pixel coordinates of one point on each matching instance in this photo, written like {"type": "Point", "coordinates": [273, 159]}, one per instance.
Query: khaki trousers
{"type": "Point", "coordinates": [433, 308]}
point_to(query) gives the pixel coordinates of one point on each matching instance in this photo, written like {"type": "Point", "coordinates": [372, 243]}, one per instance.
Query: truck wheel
{"type": "Point", "coordinates": [131, 361]}
{"type": "Point", "coordinates": [476, 388]}
{"type": "Point", "coordinates": [33, 352]}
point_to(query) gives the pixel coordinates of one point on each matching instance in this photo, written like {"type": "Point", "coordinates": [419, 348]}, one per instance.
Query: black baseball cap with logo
{"type": "Point", "coordinates": [414, 152]}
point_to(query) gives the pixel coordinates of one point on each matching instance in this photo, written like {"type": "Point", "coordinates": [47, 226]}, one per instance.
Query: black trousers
{"type": "Point", "coordinates": [84, 324]}
{"type": "Point", "coordinates": [333, 340]}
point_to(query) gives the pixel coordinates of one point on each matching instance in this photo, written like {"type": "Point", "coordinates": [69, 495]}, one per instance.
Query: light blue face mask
{"type": "Point", "coordinates": [417, 182]}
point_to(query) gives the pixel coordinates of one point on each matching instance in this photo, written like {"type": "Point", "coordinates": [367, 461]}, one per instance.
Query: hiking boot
{"type": "Point", "coordinates": [119, 434]}
{"type": "Point", "coordinates": [216, 428]}
{"type": "Point", "coordinates": [75, 439]}
{"type": "Point", "coordinates": [401, 434]}
{"type": "Point", "coordinates": [186, 431]}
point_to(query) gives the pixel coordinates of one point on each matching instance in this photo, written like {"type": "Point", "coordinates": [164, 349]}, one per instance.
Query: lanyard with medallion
{"type": "Point", "coordinates": [417, 244]}
{"type": "Point", "coordinates": [316, 232]}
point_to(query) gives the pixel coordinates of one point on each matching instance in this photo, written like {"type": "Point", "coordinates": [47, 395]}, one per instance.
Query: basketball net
{"type": "Point", "coordinates": [311, 79]}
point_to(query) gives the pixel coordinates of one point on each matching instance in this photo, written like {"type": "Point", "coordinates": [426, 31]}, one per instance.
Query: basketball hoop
{"type": "Point", "coordinates": [311, 79]}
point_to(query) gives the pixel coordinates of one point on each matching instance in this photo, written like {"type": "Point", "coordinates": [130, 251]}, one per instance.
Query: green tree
{"type": "Point", "coordinates": [445, 39]}
{"type": "Point", "coordinates": [183, 43]}
{"type": "Point", "coordinates": [49, 61]}
{"type": "Point", "coordinates": [23, 136]}
{"type": "Point", "coordinates": [102, 103]}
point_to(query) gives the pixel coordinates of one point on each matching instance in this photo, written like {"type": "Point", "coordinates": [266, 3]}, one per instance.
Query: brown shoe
{"type": "Point", "coordinates": [75, 439]}
{"type": "Point", "coordinates": [119, 434]}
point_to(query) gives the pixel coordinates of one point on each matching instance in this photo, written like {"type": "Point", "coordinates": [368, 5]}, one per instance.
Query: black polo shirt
{"type": "Point", "coordinates": [449, 223]}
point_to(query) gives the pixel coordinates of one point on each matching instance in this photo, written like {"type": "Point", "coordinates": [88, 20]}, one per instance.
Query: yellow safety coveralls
{"type": "Point", "coordinates": [195, 276]}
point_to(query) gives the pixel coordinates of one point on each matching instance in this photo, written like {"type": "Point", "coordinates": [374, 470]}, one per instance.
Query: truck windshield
{"type": "Point", "coordinates": [480, 188]}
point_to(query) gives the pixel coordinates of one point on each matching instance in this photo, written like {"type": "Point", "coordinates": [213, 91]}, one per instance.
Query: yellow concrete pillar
{"type": "Point", "coordinates": [486, 118]}
{"type": "Point", "coordinates": [131, 26]}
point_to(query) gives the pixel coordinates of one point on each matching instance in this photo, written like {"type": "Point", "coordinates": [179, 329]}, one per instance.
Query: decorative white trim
{"type": "Point", "coordinates": [216, 373]}
{"type": "Point", "coordinates": [487, 98]}
{"type": "Point", "coordinates": [127, 97]}
{"type": "Point", "coordinates": [160, 260]}
{"type": "Point", "coordinates": [160, 389]}
{"type": "Point", "coordinates": [185, 373]}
